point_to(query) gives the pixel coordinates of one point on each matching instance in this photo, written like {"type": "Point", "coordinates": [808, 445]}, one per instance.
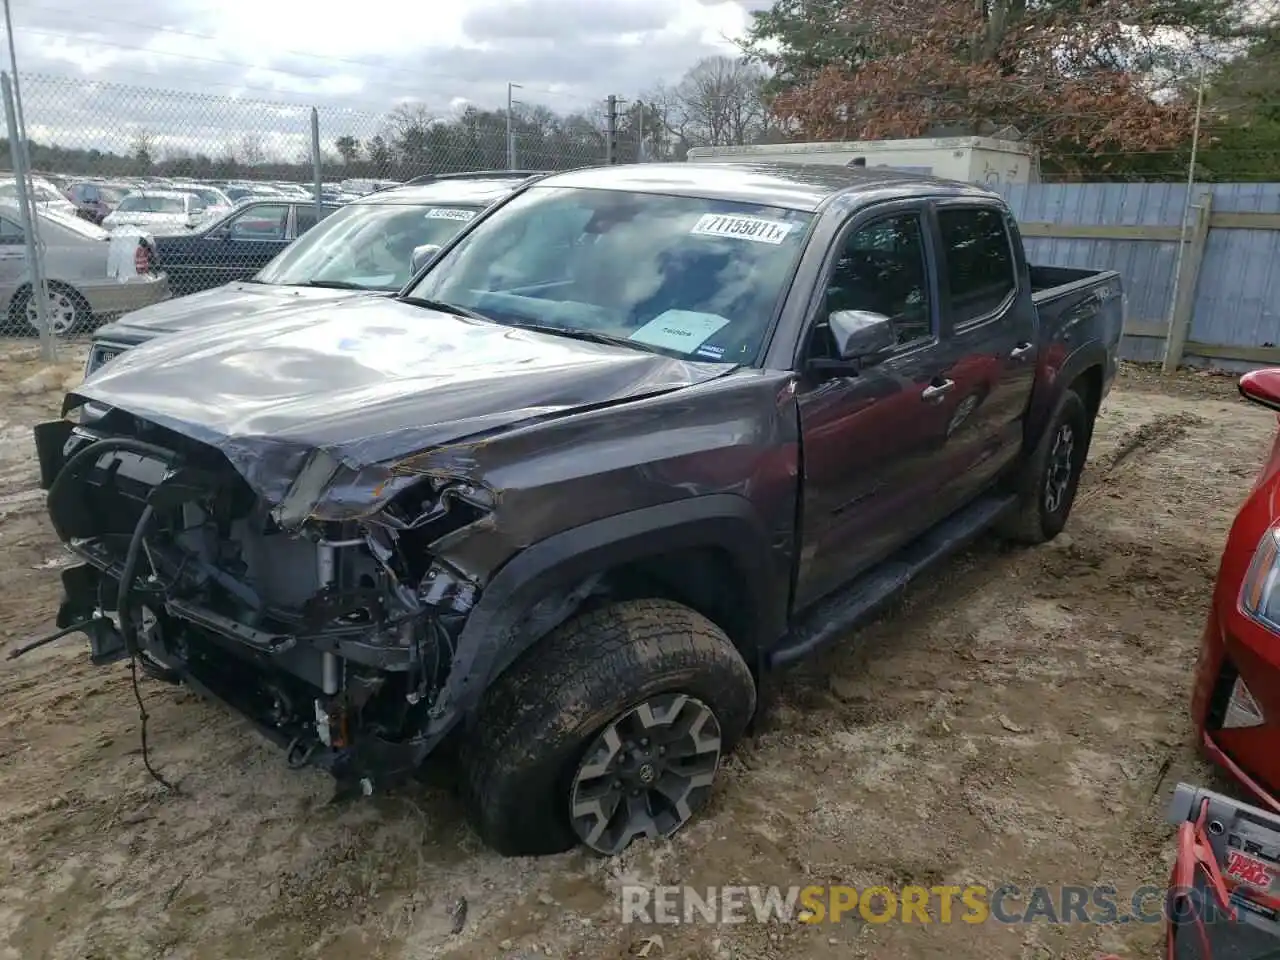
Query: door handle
{"type": "Point", "coordinates": [936, 391]}
{"type": "Point", "coordinates": [1022, 351]}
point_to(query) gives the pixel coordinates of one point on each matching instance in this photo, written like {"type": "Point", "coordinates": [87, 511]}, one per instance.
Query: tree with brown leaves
{"type": "Point", "coordinates": [1088, 81]}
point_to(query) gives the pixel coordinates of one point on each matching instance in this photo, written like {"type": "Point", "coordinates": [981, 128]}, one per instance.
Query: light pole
{"type": "Point", "coordinates": [511, 135]}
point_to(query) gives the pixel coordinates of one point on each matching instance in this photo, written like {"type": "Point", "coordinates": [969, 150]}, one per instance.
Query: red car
{"type": "Point", "coordinates": [1236, 703]}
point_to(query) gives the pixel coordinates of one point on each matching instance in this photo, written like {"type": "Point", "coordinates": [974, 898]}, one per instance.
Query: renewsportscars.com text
{"type": "Point", "coordinates": [973, 904]}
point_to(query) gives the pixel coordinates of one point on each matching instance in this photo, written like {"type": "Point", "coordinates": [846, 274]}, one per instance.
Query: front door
{"type": "Point", "coordinates": [873, 443]}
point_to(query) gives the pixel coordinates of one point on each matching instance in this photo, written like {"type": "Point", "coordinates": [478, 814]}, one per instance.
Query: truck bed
{"type": "Point", "coordinates": [1050, 283]}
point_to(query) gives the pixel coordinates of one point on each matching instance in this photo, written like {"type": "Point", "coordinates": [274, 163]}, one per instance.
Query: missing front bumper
{"type": "Point", "coordinates": [289, 683]}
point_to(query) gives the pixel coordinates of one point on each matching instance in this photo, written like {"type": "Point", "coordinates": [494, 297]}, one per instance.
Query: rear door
{"type": "Point", "coordinates": [237, 248]}
{"type": "Point", "coordinates": [991, 323]}
{"type": "Point", "coordinates": [873, 442]}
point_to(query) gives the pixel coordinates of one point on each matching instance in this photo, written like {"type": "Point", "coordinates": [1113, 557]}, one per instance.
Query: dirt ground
{"type": "Point", "coordinates": [1023, 719]}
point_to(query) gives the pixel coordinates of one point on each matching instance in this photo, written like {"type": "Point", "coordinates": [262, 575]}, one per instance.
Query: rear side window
{"type": "Point", "coordinates": [306, 214]}
{"type": "Point", "coordinates": [979, 261]}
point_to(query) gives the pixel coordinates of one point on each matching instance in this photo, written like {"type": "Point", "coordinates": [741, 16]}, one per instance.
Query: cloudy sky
{"type": "Point", "coordinates": [353, 60]}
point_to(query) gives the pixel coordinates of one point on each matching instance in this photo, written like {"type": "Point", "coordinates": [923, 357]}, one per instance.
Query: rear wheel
{"type": "Point", "coordinates": [1050, 476]}
{"type": "Point", "coordinates": [611, 728]}
{"type": "Point", "coordinates": [68, 311]}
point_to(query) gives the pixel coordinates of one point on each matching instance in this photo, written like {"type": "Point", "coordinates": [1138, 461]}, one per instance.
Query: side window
{"type": "Point", "coordinates": [882, 270]}
{"type": "Point", "coordinates": [979, 261]}
{"type": "Point", "coordinates": [263, 222]}
{"type": "Point", "coordinates": [306, 216]}
{"type": "Point", "coordinates": [10, 232]}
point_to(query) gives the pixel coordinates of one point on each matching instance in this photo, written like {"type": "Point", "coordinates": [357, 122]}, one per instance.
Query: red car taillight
{"type": "Point", "coordinates": [142, 259]}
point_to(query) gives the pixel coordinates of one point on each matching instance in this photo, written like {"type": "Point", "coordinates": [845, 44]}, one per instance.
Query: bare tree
{"type": "Point", "coordinates": [251, 150]}
{"type": "Point", "coordinates": [718, 102]}
{"type": "Point", "coordinates": [143, 150]}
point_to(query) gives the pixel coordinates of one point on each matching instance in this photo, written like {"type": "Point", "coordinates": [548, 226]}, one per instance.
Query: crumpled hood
{"type": "Point", "coordinates": [230, 302]}
{"type": "Point", "coordinates": [366, 381]}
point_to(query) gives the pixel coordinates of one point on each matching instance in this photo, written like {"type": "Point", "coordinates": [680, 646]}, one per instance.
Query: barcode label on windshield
{"type": "Point", "coordinates": [449, 213]}
{"type": "Point", "coordinates": [739, 227]}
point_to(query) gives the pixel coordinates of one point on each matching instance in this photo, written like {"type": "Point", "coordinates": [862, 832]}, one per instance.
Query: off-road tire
{"type": "Point", "coordinates": [538, 719]}
{"type": "Point", "coordinates": [1032, 521]}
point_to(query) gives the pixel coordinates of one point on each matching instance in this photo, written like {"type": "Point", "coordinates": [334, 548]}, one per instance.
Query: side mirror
{"type": "Point", "coordinates": [423, 255]}
{"type": "Point", "coordinates": [861, 335]}
{"type": "Point", "coordinates": [1262, 387]}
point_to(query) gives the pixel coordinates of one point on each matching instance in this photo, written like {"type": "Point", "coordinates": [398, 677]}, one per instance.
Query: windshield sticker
{"type": "Point", "coordinates": [449, 213]}
{"type": "Point", "coordinates": [739, 227]}
{"type": "Point", "coordinates": [382, 280]}
{"type": "Point", "coordinates": [683, 330]}
{"type": "Point", "coordinates": [715, 353]}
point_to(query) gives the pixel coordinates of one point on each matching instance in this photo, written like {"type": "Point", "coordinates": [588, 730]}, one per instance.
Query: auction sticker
{"type": "Point", "coordinates": [449, 213]}
{"type": "Point", "coordinates": [738, 227]}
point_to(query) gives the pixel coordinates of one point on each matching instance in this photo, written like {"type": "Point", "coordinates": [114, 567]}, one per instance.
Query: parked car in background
{"type": "Point", "coordinates": [159, 212]}
{"type": "Point", "coordinates": [366, 247]}
{"type": "Point", "coordinates": [243, 193]}
{"type": "Point", "coordinates": [217, 204]}
{"type": "Point", "coordinates": [46, 195]}
{"type": "Point", "coordinates": [91, 274]}
{"type": "Point", "coordinates": [1236, 703]}
{"type": "Point", "coordinates": [236, 246]}
{"type": "Point", "coordinates": [635, 437]}
{"type": "Point", "coordinates": [93, 200]}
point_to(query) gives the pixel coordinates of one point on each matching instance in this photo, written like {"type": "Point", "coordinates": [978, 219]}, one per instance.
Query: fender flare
{"type": "Point", "coordinates": [500, 626]}
{"type": "Point", "coordinates": [1084, 357]}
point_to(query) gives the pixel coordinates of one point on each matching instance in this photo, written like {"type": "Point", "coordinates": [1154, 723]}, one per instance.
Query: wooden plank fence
{"type": "Point", "coordinates": [1222, 260]}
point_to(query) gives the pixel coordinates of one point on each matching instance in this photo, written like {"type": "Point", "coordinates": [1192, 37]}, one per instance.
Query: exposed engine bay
{"type": "Point", "coordinates": [335, 639]}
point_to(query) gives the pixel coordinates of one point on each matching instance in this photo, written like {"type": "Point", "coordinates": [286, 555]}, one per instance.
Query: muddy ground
{"type": "Point", "coordinates": [1021, 719]}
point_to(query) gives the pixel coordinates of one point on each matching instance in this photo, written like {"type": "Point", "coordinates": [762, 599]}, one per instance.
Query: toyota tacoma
{"type": "Point", "coordinates": [637, 437]}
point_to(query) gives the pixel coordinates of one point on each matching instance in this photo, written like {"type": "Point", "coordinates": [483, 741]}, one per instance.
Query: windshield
{"type": "Point", "coordinates": [368, 245]}
{"type": "Point", "coordinates": [687, 277]}
{"type": "Point", "coordinates": [141, 203]}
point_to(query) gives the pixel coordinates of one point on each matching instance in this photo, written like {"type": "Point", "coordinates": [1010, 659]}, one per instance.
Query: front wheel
{"type": "Point", "coordinates": [611, 728]}
{"type": "Point", "coordinates": [1048, 479]}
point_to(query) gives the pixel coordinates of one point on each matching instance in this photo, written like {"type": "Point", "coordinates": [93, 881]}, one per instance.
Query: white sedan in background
{"type": "Point", "coordinates": [47, 196]}
{"type": "Point", "coordinates": [158, 212]}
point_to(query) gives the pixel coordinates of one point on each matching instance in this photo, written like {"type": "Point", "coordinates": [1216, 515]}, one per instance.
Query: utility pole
{"type": "Point", "coordinates": [611, 130]}
{"type": "Point", "coordinates": [640, 157]}
{"type": "Point", "coordinates": [511, 134]}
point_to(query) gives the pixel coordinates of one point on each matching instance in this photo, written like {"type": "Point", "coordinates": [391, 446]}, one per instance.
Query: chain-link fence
{"type": "Point", "coordinates": [142, 195]}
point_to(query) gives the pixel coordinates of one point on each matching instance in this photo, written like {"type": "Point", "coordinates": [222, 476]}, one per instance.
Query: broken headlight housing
{"type": "Point", "coordinates": [1259, 597]}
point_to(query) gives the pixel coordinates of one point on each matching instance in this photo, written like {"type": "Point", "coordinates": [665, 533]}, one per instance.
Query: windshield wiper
{"type": "Point", "coordinates": [444, 307]}
{"type": "Point", "coordinates": [579, 333]}
{"type": "Point", "coordinates": [335, 285]}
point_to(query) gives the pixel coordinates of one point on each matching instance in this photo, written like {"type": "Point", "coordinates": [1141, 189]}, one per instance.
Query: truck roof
{"type": "Point", "coordinates": [791, 186]}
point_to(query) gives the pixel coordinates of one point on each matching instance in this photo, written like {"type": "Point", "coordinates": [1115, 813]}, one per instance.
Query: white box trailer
{"type": "Point", "coordinates": [972, 159]}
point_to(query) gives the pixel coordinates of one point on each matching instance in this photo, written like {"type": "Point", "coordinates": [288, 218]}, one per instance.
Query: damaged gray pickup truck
{"type": "Point", "coordinates": [639, 436]}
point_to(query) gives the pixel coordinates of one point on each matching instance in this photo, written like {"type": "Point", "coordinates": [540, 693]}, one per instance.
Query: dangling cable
{"type": "Point", "coordinates": [129, 631]}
